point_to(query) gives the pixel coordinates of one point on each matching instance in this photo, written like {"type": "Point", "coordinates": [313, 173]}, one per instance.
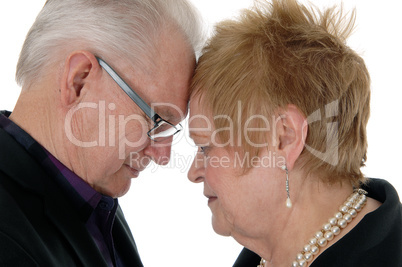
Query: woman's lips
{"type": "Point", "coordinates": [211, 199]}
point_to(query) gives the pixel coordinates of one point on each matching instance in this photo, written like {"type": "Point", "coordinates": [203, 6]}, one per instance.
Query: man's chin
{"type": "Point", "coordinates": [116, 191]}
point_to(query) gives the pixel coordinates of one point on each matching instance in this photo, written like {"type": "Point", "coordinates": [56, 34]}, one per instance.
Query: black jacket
{"type": "Point", "coordinates": [38, 225]}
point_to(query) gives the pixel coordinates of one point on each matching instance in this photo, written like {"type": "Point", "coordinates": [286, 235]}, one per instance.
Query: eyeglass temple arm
{"type": "Point", "coordinates": [130, 92]}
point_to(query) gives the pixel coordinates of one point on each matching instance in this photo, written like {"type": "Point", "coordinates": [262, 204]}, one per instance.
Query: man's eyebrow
{"type": "Point", "coordinates": [165, 115]}
{"type": "Point", "coordinates": [168, 115]}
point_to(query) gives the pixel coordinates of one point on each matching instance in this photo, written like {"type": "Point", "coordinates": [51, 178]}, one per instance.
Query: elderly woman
{"type": "Point", "coordinates": [279, 111]}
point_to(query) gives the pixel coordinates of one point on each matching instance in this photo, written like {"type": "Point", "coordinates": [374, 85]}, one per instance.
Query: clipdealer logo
{"type": "Point", "coordinates": [107, 132]}
{"type": "Point", "coordinates": [330, 155]}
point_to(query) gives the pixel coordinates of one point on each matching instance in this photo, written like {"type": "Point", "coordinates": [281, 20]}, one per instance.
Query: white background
{"type": "Point", "coordinates": [168, 215]}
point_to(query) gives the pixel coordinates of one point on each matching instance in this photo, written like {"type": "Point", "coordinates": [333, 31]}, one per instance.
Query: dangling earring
{"type": "Point", "coordinates": [288, 201]}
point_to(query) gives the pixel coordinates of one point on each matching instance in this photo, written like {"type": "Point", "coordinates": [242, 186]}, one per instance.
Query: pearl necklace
{"type": "Point", "coordinates": [354, 203]}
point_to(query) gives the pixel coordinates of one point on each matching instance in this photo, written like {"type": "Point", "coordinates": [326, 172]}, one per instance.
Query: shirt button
{"type": "Point", "coordinates": [103, 205]}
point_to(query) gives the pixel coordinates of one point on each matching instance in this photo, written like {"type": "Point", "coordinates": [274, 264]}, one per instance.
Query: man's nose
{"type": "Point", "coordinates": [159, 152]}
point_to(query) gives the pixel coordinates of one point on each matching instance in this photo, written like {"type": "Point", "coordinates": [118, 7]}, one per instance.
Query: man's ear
{"type": "Point", "coordinates": [292, 133]}
{"type": "Point", "coordinates": [78, 68]}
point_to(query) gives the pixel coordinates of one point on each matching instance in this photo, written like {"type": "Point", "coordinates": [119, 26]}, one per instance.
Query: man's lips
{"type": "Point", "coordinates": [135, 172]}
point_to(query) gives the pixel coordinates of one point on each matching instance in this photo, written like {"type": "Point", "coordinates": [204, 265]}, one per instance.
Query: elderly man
{"type": "Point", "coordinates": [101, 81]}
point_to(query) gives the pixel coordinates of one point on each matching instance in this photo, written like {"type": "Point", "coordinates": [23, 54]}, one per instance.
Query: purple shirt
{"type": "Point", "coordinates": [97, 211]}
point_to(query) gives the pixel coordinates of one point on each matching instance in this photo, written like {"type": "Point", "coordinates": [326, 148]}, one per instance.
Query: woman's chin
{"type": "Point", "coordinates": [220, 228]}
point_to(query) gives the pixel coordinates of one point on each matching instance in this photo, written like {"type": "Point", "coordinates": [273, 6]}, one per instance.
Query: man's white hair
{"type": "Point", "coordinates": [127, 29]}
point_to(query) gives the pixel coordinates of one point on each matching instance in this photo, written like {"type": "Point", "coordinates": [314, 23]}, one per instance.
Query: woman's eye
{"type": "Point", "coordinates": [204, 149]}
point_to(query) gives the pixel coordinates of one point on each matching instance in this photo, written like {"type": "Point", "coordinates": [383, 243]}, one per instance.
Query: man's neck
{"type": "Point", "coordinates": [37, 114]}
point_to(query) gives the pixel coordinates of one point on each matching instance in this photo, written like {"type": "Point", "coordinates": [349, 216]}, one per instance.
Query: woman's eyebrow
{"type": "Point", "coordinates": [193, 134]}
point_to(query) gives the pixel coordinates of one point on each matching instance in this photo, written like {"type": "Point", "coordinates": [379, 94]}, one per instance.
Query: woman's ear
{"type": "Point", "coordinates": [76, 75]}
{"type": "Point", "coordinates": [291, 133]}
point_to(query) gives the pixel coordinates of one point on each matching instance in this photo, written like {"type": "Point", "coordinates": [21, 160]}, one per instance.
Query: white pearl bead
{"type": "Point", "coordinates": [319, 235]}
{"type": "Point", "coordinates": [357, 207]}
{"type": "Point", "coordinates": [336, 230]}
{"type": "Point", "coordinates": [333, 221]}
{"type": "Point", "coordinates": [348, 204]}
{"type": "Point", "coordinates": [299, 256]}
{"type": "Point", "coordinates": [302, 263]}
{"type": "Point", "coordinates": [347, 217]}
{"type": "Point", "coordinates": [322, 242]}
{"type": "Point", "coordinates": [314, 250]}
{"type": "Point", "coordinates": [329, 235]}
{"type": "Point", "coordinates": [338, 215]}
{"type": "Point", "coordinates": [344, 209]}
{"type": "Point", "coordinates": [342, 223]}
{"type": "Point", "coordinates": [327, 227]}
{"type": "Point", "coordinates": [352, 212]}
{"type": "Point", "coordinates": [313, 241]}
{"type": "Point", "coordinates": [308, 256]}
{"type": "Point", "coordinates": [307, 248]}
{"type": "Point", "coordinates": [295, 264]}
{"type": "Point", "coordinates": [288, 203]}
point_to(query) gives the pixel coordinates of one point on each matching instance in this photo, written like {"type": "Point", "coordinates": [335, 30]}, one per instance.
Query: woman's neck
{"type": "Point", "coordinates": [314, 203]}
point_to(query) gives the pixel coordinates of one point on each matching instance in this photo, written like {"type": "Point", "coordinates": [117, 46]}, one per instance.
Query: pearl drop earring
{"type": "Point", "coordinates": [288, 201]}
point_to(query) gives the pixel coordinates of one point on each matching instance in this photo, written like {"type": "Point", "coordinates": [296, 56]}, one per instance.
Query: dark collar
{"type": "Point", "coordinates": [18, 165]}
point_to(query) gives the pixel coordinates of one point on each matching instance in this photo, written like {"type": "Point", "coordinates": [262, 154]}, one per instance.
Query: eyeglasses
{"type": "Point", "coordinates": [162, 129]}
